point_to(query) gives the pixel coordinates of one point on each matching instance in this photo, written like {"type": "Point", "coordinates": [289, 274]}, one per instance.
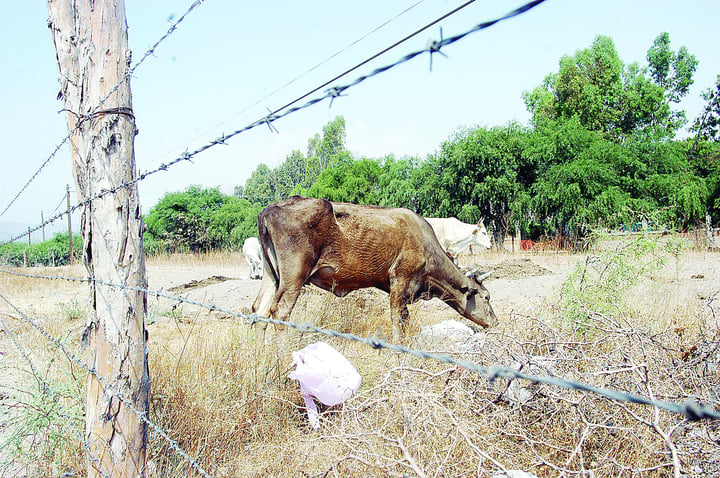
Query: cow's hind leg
{"type": "Point", "coordinates": [262, 304]}
{"type": "Point", "coordinates": [284, 301]}
{"type": "Point", "coordinates": [293, 272]}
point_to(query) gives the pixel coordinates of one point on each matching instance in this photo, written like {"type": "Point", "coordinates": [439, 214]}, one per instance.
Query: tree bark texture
{"type": "Point", "coordinates": [93, 57]}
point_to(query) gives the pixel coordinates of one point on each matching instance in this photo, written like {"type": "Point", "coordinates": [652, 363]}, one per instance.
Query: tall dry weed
{"type": "Point", "coordinates": [413, 417]}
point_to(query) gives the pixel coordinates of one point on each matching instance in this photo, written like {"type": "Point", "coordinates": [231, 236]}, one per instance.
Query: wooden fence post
{"type": "Point", "coordinates": [70, 244]}
{"type": "Point", "coordinates": [90, 39]}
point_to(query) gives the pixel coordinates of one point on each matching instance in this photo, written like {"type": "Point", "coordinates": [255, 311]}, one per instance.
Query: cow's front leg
{"type": "Point", "coordinates": [398, 311]}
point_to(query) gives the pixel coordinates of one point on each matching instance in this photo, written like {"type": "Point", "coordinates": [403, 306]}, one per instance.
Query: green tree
{"type": "Point", "coordinates": [399, 182]}
{"type": "Point", "coordinates": [326, 150]}
{"type": "Point", "coordinates": [595, 86]}
{"type": "Point", "coordinates": [290, 174]}
{"type": "Point", "coordinates": [478, 173]}
{"type": "Point", "coordinates": [261, 186]}
{"type": "Point", "coordinates": [707, 125]}
{"type": "Point", "coordinates": [673, 71]}
{"type": "Point", "coordinates": [200, 219]}
{"type": "Point", "coordinates": [298, 172]}
{"type": "Point", "coordinates": [355, 181]}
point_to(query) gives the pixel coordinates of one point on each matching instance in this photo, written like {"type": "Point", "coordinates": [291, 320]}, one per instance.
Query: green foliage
{"type": "Point", "coordinates": [298, 172]}
{"type": "Point", "coordinates": [261, 186]}
{"type": "Point", "coordinates": [672, 71]}
{"type": "Point", "coordinates": [595, 291]}
{"type": "Point", "coordinates": [199, 219]}
{"type": "Point", "coordinates": [356, 181]}
{"type": "Point", "coordinates": [54, 252]}
{"type": "Point", "coordinates": [399, 182]}
{"type": "Point", "coordinates": [73, 310]}
{"type": "Point", "coordinates": [478, 173]}
{"type": "Point", "coordinates": [42, 427]}
{"type": "Point", "coordinates": [605, 95]}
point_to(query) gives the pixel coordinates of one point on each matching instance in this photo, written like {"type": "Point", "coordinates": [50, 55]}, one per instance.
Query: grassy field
{"type": "Point", "coordinates": [638, 316]}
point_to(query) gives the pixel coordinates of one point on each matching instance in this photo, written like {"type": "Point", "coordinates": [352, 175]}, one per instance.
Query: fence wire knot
{"type": "Point", "coordinates": [268, 120]}
{"type": "Point", "coordinates": [695, 412]}
{"type": "Point", "coordinates": [433, 46]}
{"type": "Point", "coordinates": [254, 318]}
{"type": "Point", "coordinates": [335, 92]}
{"type": "Point", "coordinates": [221, 140]}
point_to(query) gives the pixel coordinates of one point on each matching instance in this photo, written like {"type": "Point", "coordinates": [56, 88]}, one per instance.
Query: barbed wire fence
{"type": "Point", "coordinates": [130, 72]}
{"type": "Point", "coordinates": [690, 410]}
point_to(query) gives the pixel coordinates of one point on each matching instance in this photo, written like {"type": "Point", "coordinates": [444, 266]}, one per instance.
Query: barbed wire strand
{"type": "Point", "coordinates": [128, 74]}
{"type": "Point", "coordinates": [54, 398]}
{"type": "Point", "coordinates": [691, 410]}
{"type": "Point", "coordinates": [103, 381]}
{"type": "Point", "coordinates": [280, 88]}
{"type": "Point", "coordinates": [376, 55]}
{"type": "Point", "coordinates": [330, 93]}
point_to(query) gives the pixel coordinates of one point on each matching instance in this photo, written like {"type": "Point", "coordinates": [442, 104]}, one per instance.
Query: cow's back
{"type": "Point", "coordinates": [376, 243]}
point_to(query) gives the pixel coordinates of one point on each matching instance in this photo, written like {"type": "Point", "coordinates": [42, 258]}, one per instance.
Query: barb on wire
{"type": "Point", "coordinates": [97, 108]}
{"type": "Point", "coordinates": [335, 92]}
{"type": "Point", "coordinates": [434, 47]}
{"type": "Point", "coordinates": [268, 120]}
{"type": "Point", "coordinates": [691, 410]}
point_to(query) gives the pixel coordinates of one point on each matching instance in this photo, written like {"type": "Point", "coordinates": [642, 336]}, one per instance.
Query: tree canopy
{"type": "Point", "coordinates": [599, 151]}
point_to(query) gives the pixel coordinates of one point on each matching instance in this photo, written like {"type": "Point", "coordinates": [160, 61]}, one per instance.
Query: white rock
{"type": "Point", "coordinates": [447, 331]}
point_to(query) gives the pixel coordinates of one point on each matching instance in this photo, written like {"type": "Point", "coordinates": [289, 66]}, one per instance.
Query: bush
{"type": "Point", "coordinates": [55, 252]}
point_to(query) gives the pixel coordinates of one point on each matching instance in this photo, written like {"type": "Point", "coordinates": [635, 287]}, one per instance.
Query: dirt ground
{"type": "Point", "coordinates": [520, 282]}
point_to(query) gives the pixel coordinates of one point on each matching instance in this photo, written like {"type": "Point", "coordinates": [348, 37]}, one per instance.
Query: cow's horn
{"type": "Point", "coordinates": [479, 276]}
{"type": "Point", "coordinates": [483, 277]}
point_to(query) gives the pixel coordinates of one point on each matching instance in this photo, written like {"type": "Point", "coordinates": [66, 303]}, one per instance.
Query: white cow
{"type": "Point", "coordinates": [455, 236]}
{"type": "Point", "coordinates": [253, 255]}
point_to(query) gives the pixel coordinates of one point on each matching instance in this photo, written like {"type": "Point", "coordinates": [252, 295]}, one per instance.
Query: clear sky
{"type": "Point", "coordinates": [227, 55]}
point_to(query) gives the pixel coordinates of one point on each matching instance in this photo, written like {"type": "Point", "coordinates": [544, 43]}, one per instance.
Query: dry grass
{"type": "Point", "coordinates": [228, 402]}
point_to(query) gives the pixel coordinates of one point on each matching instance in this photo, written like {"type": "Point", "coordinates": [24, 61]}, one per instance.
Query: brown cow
{"type": "Point", "coordinates": [342, 247]}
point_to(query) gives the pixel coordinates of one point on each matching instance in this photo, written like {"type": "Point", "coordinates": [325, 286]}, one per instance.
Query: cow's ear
{"type": "Point", "coordinates": [475, 230]}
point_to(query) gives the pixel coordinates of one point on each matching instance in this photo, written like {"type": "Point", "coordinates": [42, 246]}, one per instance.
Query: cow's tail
{"type": "Point", "coordinates": [270, 263]}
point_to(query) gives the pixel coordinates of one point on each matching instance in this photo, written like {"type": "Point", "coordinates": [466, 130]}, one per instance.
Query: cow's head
{"type": "Point", "coordinates": [477, 297]}
{"type": "Point", "coordinates": [482, 238]}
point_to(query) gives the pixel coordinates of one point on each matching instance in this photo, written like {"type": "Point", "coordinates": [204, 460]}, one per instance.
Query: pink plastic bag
{"type": "Point", "coordinates": [323, 373]}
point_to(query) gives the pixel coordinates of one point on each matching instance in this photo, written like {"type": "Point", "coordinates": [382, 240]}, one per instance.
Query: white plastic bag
{"type": "Point", "coordinates": [323, 373]}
